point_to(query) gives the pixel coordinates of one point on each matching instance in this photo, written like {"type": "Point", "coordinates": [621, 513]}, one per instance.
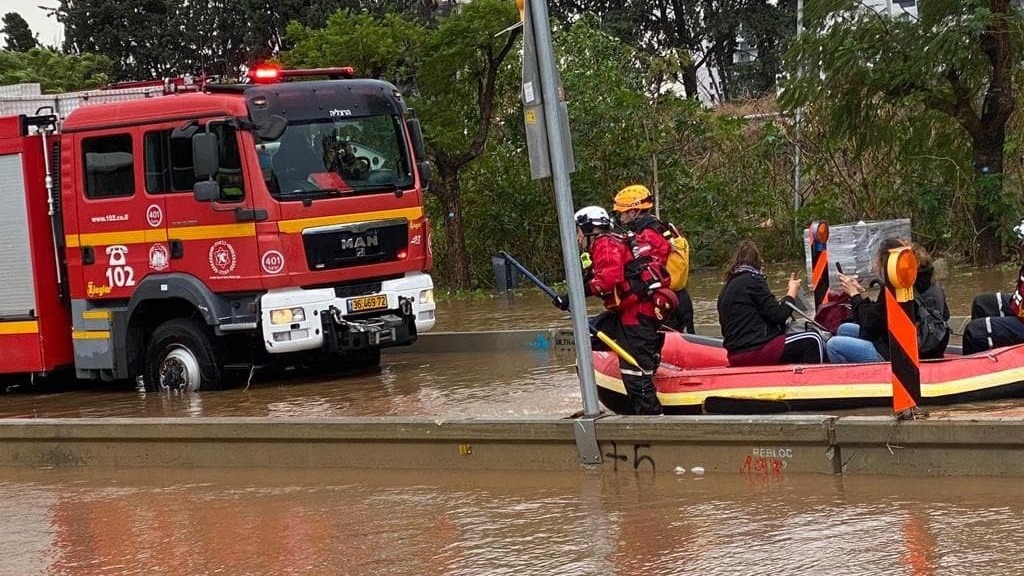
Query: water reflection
{"type": "Point", "coordinates": [478, 523]}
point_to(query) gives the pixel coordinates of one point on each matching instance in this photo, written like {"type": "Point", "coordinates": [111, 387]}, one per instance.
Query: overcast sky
{"type": "Point", "coordinates": [46, 29]}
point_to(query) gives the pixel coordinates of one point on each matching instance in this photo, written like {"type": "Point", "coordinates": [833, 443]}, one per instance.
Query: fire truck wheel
{"type": "Point", "coordinates": [182, 356]}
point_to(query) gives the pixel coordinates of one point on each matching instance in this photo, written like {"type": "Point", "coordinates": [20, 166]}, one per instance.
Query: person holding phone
{"type": "Point", "coordinates": [753, 321]}
{"type": "Point", "coordinates": [866, 339]}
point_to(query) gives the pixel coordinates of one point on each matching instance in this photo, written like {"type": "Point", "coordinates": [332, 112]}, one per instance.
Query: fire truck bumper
{"type": "Point", "coordinates": [293, 320]}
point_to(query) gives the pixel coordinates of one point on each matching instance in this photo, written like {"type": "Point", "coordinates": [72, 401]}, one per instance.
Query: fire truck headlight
{"type": "Point", "coordinates": [427, 296]}
{"type": "Point", "coordinates": [287, 315]}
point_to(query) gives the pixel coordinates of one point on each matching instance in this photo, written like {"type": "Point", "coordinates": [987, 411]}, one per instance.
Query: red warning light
{"type": "Point", "coordinates": [402, 254]}
{"type": "Point", "coordinates": [265, 73]}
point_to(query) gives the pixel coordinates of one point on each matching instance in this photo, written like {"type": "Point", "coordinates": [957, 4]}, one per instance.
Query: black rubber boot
{"type": "Point", "coordinates": [642, 395]}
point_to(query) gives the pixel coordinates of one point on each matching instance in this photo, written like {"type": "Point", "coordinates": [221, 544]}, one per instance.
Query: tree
{"type": "Point", "coordinates": [19, 35]}
{"type": "Point", "coordinates": [463, 80]}
{"type": "Point", "coordinates": [56, 72]}
{"type": "Point", "coordinates": [137, 35]}
{"type": "Point", "coordinates": [958, 59]}
{"type": "Point", "coordinates": [161, 38]}
{"type": "Point", "coordinates": [385, 47]}
{"type": "Point", "coordinates": [699, 33]}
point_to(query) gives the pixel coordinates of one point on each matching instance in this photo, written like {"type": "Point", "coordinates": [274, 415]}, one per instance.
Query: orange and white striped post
{"type": "Point", "coordinates": [818, 234]}
{"type": "Point", "coordinates": [900, 274]}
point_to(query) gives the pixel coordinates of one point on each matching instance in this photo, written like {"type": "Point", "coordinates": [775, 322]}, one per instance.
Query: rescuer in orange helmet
{"type": "Point", "coordinates": [633, 205]}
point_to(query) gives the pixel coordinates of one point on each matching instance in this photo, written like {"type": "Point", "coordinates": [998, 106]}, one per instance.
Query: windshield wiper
{"type": "Point", "coordinates": [310, 195]}
{"type": "Point", "coordinates": [377, 187]}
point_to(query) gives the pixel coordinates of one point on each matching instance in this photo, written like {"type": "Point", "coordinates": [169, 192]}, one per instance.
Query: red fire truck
{"type": "Point", "coordinates": [191, 234]}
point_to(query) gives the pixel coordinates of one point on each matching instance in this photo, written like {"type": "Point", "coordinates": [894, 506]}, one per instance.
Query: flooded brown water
{"type": "Point", "coordinates": [368, 523]}
{"type": "Point", "coordinates": [333, 522]}
{"type": "Point", "coordinates": [525, 383]}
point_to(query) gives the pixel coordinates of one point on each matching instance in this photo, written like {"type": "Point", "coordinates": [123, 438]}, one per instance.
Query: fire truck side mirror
{"type": "Point", "coordinates": [205, 151]}
{"type": "Point", "coordinates": [416, 133]}
{"type": "Point", "coordinates": [424, 168]}
{"type": "Point", "coordinates": [206, 191]}
{"type": "Point", "coordinates": [272, 128]}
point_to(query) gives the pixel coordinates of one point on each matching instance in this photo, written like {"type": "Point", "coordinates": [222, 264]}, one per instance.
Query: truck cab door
{"type": "Point", "coordinates": [214, 240]}
{"type": "Point", "coordinates": [118, 219]}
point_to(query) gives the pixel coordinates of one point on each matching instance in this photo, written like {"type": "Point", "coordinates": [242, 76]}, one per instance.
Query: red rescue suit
{"type": "Point", "coordinates": [630, 320]}
{"type": "Point", "coordinates": [607, 278]}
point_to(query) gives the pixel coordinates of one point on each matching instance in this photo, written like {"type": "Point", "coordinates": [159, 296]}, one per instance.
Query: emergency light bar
{"type": "Point", "coordinates": [185, 83]}
{"type": "Point", "coordinates": [268, 74]}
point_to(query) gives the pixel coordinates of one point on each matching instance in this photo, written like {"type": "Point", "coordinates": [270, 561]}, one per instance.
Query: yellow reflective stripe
{"type": "Point", "coordinates": [150, 236]}
{"type": "Point", "coordinates": [214, 231]}
{"type": "Point", "coordinates": [20, 327]}
{"type": "Point", "coordinates": [292, 226]}
{"type": "Point", "coordinates": [124, 237]}
{"type": "Point", "coordinates": [231, 230]}
{"type": "Point", "coordinates": [96, 315]}
{"type": "Point", "coordinates": [90, 335]}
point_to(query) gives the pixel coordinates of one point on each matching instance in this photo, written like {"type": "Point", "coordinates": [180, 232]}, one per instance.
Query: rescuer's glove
{"type": "Point", "coordinates": [561, 302]}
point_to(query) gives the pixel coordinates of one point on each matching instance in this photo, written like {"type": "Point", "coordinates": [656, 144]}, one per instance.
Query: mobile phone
{"type": "Point", "coordinates": [839, 267]}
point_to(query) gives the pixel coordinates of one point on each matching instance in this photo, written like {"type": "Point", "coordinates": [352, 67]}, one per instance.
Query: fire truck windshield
{"type": "Point", "coordinates": [348, 155]}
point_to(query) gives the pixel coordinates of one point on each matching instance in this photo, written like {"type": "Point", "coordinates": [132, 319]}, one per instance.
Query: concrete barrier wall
{"type": "Point", "coordinates": [941, 447]}
{"type": "Point", "coordinates": [766, 447]}
{"type": "Point", "coordinates": [757, 446]}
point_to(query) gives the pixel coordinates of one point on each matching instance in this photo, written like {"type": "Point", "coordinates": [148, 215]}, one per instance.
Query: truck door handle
{"type": "Point", "coordinates": [177, 249]}
{"type": "Point", "coordinates": [250, 215]}
{"type": "Point", "coordinates": [88, 255]}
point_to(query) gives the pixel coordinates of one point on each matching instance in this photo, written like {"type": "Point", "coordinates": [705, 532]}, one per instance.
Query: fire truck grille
{"type": "Point", "coordinates": [355, 245]}
{"type": "Point", "coordinates": [350, 290]}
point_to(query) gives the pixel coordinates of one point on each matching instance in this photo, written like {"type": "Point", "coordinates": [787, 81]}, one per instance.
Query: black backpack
{"type": "Point", "coordinates": [932, 330]}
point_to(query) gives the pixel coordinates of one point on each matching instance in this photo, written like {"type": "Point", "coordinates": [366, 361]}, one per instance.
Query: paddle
{"type": "Point", "coordinates": [554, 295]}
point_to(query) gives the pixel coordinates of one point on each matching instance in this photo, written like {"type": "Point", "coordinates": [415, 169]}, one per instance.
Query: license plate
{"type": "Point", "coordinates": [368, 303]}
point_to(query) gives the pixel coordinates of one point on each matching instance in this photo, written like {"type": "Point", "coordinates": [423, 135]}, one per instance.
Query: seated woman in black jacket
{"type": "Point", "coordinates": [753, 322]}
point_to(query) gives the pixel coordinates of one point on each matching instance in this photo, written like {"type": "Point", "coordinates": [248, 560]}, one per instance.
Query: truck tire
{"type": "Point", "coordinates": [182, 355]}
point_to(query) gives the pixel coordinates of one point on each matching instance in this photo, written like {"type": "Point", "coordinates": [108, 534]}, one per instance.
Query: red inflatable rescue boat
{"type": "Point", "coordinates": [694, 378]}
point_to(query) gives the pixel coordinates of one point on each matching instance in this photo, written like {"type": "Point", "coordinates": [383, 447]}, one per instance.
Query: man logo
{"type": "Point", "coordinates": [360, 243]}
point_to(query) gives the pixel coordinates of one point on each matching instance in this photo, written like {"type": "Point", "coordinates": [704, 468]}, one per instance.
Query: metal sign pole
{"type": "Point", "coordinates": [560, 154]}
{"type": "Point", "coordinates": [550, 151]}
